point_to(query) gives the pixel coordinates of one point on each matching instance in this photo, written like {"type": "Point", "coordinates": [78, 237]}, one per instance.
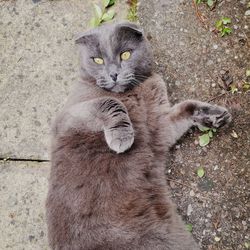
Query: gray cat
{"type": "Point", "coordinates": [107, 189]}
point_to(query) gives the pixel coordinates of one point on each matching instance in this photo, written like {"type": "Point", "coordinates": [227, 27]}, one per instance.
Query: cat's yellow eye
{"type": "Point", "coordinates": [125, 55]}
{"type": "Point", "coordinates": [98, 60]}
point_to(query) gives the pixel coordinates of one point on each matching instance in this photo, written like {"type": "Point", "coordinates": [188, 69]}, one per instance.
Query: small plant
{"type": "Point", "coordinates": [210, 3]}
{"type": "Point", "coordinates": [189, 227]}
{"type": "Point", "coordinates": [102, 14]}
{"type": "Point", "coordinates": [208, 133]}
{"type": "Point", "coordinates": [242, 87]}
{"type": "Point", "coordinates": [132, 11]}
{"type": "Point", "coordinates": [200, 172]}
{"type": "Point", "coordinates": [221, 26]}
{"type": "Point", "coordinates": [233, 89]}
{"type": "Point", "coordinates": [246, 86]}
{"type": "Point", "coordinates": [247, 245]}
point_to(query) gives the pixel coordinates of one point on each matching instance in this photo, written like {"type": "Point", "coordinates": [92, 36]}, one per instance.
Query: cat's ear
{"type": "Point", "coordinates": [131, 28]}
{"type": "Point", "coordinates": [85, 38]}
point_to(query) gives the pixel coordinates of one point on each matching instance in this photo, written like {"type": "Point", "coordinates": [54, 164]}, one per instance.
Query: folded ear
{"type": "Point", "coordinates": [130, 28]}
{"type": "Point", "coordinates": [85, 38]}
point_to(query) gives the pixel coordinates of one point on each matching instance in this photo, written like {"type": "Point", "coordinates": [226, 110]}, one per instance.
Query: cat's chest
{"type": "Point", "coordinates": [138, 109]}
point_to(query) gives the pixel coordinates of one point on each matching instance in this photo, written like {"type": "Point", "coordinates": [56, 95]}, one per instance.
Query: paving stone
{"type": "Point", "coordinates": [23, 190]}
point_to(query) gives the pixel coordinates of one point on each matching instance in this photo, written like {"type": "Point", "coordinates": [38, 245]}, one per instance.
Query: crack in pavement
{"type": "Point", "coordinates": [23, 159]}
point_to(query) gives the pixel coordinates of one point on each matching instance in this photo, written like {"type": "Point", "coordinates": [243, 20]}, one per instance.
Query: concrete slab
{"type": "Point", "coordinates": [39, 63]}
{"type": "Point", "coordinates": [23, 190]}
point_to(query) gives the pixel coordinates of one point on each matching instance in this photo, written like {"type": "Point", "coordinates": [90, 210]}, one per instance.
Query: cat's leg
{"type": "Point", "coordinates": [102, 114]}
{"type": "Point", "coordinates": [190, 113]}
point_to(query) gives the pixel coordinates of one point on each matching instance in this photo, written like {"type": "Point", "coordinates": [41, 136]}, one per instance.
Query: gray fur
{"type": "Point", "coordinates": [108, 42]}
{"type": "Point", "coordinates": [107, 188]}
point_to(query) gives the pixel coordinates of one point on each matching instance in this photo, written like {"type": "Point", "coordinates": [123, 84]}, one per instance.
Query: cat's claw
{"type": "Point", "coordinates": [212, 116]}
{"type": "Point", "coordinates": [119, 139]}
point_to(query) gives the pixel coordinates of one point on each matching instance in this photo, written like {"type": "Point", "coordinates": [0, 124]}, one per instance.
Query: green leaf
{"type": "Point", "coordinates": [247, 245]}
{"type": "Point", "coordinates": [200, 172]}
{"type": "Point", "coordinates": [226, 20]}
{"type": "Point", "coordinates": [109, 15]}
{"type": "Point", "coordinates": [94, 22]}
{"type": "Point", "coordinates": [218, 24]}
{"type": "Point", "coordinates": [233, 89]}
{"type": "Point", "coordinates": [105, 3]}
{"type": "Point", "coordinates": [248, 72]}
{"type": "Point", "coordinates": [204, 140]}
{"type": "Point", "coordinates": [214, 130]}
{"type": "Point", "coordinates": [210, 133]}
{"type": "Point", "coordinates": [98, 11]}
{"type": "Point", "coordinates": [246, 86]}
{"type": "Point", "coordinates": [203, 129]}
{"type": "Point", "coordinates": [227, 30]}
{"type": "Point", "coordinates": [111, 2]}
{"type": "Point", "coordinates": [222, 33]}
{"type": "Point", "coordinates": [210, 3]}
{"type": "Point", "coordinates": [189, 227]}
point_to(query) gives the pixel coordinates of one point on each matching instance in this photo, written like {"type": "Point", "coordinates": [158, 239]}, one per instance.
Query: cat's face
{"type": "Point", "coordinates": [115, 56]}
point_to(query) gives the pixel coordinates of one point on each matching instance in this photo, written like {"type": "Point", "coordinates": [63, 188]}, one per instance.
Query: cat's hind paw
{"type": "Point", "coordinates": [119, 138]}
{"type": "Point", "coordinates": [211, 116]}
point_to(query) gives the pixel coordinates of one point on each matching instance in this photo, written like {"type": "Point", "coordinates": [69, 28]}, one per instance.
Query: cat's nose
{"type": "Point", "coordinates": [114, 76]}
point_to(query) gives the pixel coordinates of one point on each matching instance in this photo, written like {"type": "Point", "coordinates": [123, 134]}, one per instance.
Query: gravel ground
{"type": "Point", "coordinates": [198, 63]}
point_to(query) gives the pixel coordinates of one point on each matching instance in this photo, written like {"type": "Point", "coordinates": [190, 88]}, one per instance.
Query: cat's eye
{"type": "Point", "coordinates": [98, 60]}
{"type": "Point", "coordinates": [125, 55]}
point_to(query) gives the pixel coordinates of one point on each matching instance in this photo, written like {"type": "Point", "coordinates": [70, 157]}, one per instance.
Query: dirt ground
{"type": "Point", "coordinates": [198, 63]}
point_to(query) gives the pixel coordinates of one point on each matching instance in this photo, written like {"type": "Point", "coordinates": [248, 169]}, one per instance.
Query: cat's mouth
{"type": "Point", "coordinates": [117, 88]}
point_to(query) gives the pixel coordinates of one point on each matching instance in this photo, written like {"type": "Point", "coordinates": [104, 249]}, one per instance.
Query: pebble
{"type": "Point", "coordinates": [215, 46]}
{"type": "Point", "coordinates": [216, 167]}
{"type": "Point", "coordinates": [177, 83]}
{"type": "Point", "coordinates": [216, 238]}
{"type": "Point", "coordinates": [210, 62]}
{"type": "Point", "coordinates": [192, 193]}
{"type": "Point", "coordinates": [213, 85]}
{"type": "Point", "coordinates": [172, 184]}
{"type": "Point", "coordinates": [189, 210]}
{"type": "Point", "coordinates": [247, 13]}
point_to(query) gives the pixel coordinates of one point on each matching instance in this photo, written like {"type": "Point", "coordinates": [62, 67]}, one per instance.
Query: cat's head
{"type": "Point", "coordinates": [116, 57]}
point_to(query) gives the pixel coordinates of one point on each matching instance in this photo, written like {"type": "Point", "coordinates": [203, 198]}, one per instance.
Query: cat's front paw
{"type": "Point", "coordinates": [209, 115]}
{"type": "Point", "coordinates": [119, 138]}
